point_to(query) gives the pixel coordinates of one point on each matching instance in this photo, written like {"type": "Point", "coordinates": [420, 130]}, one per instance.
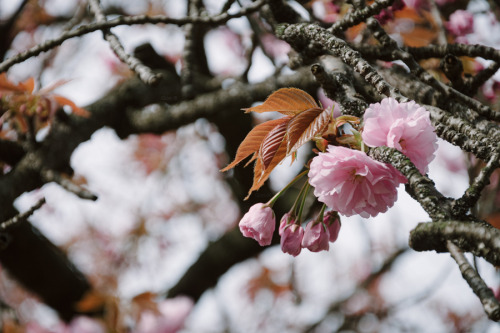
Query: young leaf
{"type": "Point", "coordinates": [261, 175]}
{"type": "Point", "coordinates": [76, 110]}
{"type": "Point", "coordinates": [272, 142]}
{"type": "Point", "coordinates": [305, 126]}
{"type": "Point", "coordinates": [252, 141]}
{"type": "Point", "coordinates": [288, 101]}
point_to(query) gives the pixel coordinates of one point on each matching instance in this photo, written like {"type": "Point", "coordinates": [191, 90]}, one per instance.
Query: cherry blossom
{"type": "Point", "coordinates": [404, 126]}
{"type": "Point", "coordinates": [461, 23]}
{"type": "Point", "coordinates": [350, 182]}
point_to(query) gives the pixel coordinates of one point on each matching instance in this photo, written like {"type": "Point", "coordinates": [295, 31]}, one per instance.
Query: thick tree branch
{"type": "Point", "coordinates": [215, 104]}
{"type": "Point", "coordinates": [297, 34]}
{"type": "Point", "coordinates": [479, 238]}
{"type": "Point", "coordinates": [422, 188]}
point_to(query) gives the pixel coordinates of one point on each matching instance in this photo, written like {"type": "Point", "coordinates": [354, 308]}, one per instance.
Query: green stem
{"type": "Point", "coordinates": [321, 214]}
{"type": "Point", "coordinates": [271, 202]}
{"type": "Point", "coordinates": [304, 192]}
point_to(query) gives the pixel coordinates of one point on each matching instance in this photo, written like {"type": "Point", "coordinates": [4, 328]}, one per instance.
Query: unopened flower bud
{"type": "Point", "coordinates": [259, 223]}
{"type": "Point", "coordinates": [316, 237]}
{"type": "Point", "coordinates": [291, 239]}
{"type": "Point", "coordinates": [332, 222]}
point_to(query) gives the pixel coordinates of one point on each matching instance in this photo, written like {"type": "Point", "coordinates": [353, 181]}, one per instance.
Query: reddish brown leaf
{"type": "Point", "coordinates": [272, 142]}
{"type": "Point", "coordinates": [92, 301]}
{"type": "Point", "coordinates": [288, 101]}
{"type": "Point", "coordinates": [28, 85]}
{"type": "Point", "coordinates": [305, 126]}
{"type": "Point", "coordinates": [261, 175]}
{"type": "Point", "coordinates": [76, 110]}
{"type": "Point", "coordinates": [252, 141]}
{"type": "Point", "coordinates": [5, 84]}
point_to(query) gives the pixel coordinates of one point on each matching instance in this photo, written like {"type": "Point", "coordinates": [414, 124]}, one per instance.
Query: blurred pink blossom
{"type": "Point", "coordinates": [285, 221]}
{"type": "Point", "coordinates": [332, 222]}
{"type": "Point", "coordinates": [316, 237]}
{"type": "Point", "coordinates": [350, 182]}
{"type": "Point", "coordinates": [291, 239]}
{"type": "Point", "coordinates": [171, 317]}
{"type": "Point", "coordinates": [460, 23]}
{"type": "Point", "coordinates": [444, 2]}
{"type": "Point", "coordinates": [404, 126]}
{"type": "Point", "coordinates": [259, 223]}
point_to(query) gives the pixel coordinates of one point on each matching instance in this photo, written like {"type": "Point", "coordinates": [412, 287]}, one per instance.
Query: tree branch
{"type": "Point", "coordinates": [485, 294]}
{"type": "Point", "coordinates": [214, 20]}
{"type": "Point", "coordinates": [422, 188]}
{"type": "Point", "coordinates": [144, 72]}
{"type": "Point", "coordinates": [22, 217]}
{"type": "Point", "coordinates": [477, 237]}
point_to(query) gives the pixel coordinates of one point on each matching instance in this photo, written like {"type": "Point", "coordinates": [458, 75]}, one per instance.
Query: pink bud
{"type": "Point", "coordinates": [291, 239]}
{"type": "Point", "coordinates": [316, 237]}
{"type": "Point", "coordinates": [286, 220]}
{"type": "Point", "coordinates": [332, 222]}
{"type": "Point", "coordinates": [259, 223]}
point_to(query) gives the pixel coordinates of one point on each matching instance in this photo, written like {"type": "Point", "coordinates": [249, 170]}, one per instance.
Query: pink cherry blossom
{"type": "Point", "coordinates": [316, 237]}
{"type": "Point", "coordinates": [404, 126]}
{"type": "Point", "coordinates": [461, 23]}
{"type": "Point", "coordinates": [332, 222]}
{"type": "Point", "coordinates": [350, 182]}
{"type": "Point", "coordinates": [170, 318]}
{"type": "Point", "coordinates": [259, 223]}
{"type": "Point", "coordinates": [291, 239]}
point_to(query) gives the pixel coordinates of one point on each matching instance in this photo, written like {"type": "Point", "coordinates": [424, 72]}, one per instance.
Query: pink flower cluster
{"type": "Point", "coordinates": [259, 223]}
{"type": "Point", "coordinates": [317, 236]}
{"type": "Point", "coordinates": [350, 182]}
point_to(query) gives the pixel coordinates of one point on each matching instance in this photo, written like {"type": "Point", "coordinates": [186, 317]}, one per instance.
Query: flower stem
{"type": "Point", "coordinates": [271, 202]}
{"type": "Point", "coordinates": [303, 194]}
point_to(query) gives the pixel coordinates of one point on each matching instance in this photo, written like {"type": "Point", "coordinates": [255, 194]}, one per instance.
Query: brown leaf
{"type": "Point", "coordinates": [288, 101]}
{"type": "Point", "coordinates": [146, 301]}
{"type": "Point", "coordinates": [5, 84]}
{"type": "Point", "coordinates": [76, 110]}
{"type": "Point", "coordinates": [261, 175]}
{"type": "Point", "coordinates": [272, 142]}
{"type": "Point", "coordinates": [305, 126]}
{"type": "Point", "coordinates": [252, 141]}
{"type": "Point", "coordinates": [91, 302]}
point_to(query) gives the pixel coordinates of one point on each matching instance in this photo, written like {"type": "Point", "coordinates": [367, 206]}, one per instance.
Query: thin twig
{"type": "Point", "coordinates": [214, 20]}
{"type": "Point", "coordinates": [436, 15]}
{"type": "Point", "coordinates": [145, 73]}
{"type": "Point", "coordinates": [480, 78]}
{"type": "Point", "coordinates": [447, 91]}
{"type": "Point", "coordinates": [473, 193]}
{"type": "Point", "coordinates": [22, 217]}
{"type": "Point", "coordinates": [359, 15]}
{"type": "Point", "coordinates": [485, 294]}
{"type": "Point", "coordinates": [68, 185]}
